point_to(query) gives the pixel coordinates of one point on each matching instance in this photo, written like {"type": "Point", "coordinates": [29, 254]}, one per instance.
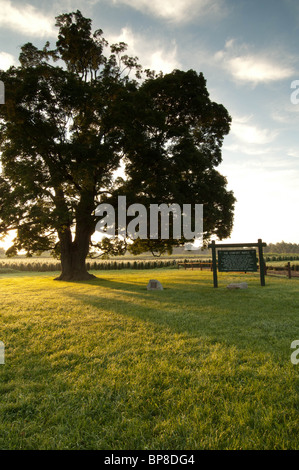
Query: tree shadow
{"type": "Point", "coordinates": [237, 318]}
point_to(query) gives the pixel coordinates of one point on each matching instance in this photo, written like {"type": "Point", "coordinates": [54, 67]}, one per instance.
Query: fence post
{"type": "Point", "coordinates": [261, 262]}
{"type": "Point", "coordinates": [214, 261]}
{"type": "Point", "coordinates": [289, 270]}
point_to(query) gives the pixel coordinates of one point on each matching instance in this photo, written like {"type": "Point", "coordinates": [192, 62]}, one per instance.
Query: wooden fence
{"type": "Point", "coordinates": [287, 270]}
{"type": "Point", "coordinates": [196, 264]}
{"type": "Point", "coordinates": [290, 271]}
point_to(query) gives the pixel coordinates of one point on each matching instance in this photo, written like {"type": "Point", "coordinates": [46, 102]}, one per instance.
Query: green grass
{"type": "Point", "coordinates": [106, 364]}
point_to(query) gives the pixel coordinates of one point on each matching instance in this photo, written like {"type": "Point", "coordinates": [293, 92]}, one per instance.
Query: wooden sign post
{"type": "Point", "coordinates": [239, 260]}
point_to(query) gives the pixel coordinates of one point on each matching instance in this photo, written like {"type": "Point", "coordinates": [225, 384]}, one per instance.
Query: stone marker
{"type": "Point", "coordinates": [153, 284]}
{"type": "Point", "coordinates": [236, 285]}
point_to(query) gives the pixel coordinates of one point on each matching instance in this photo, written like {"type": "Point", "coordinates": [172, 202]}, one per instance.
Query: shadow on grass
{"type": "Point", "coordinates": [254, 318]}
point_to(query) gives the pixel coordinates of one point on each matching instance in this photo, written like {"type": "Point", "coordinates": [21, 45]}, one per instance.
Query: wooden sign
{"type": "Point", "coordinates": [238, 260]}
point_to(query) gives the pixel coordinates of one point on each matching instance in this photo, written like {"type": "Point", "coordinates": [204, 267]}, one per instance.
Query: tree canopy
{"type": "Point", "coordinates": [76, 114]}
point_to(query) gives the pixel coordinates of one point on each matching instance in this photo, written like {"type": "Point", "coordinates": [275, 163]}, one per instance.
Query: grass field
{"type": "Point", "coordinates": [106, 364]}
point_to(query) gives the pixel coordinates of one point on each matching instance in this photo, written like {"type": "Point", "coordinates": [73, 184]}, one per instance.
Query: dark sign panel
{"type": "Point", "coordinates": [237, 260]}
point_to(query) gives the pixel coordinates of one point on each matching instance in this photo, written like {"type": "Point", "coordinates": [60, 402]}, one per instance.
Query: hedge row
{"type": "Point", "coordinates": [93, 265]}
{"type": "Point", "coordinates": [282, 258]}
{"type": "Point", "coordinates": [107, 265]}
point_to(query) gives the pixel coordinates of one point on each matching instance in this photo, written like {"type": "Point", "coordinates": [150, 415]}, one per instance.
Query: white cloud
{"type": "Point", "coordinates": [257, 69]}
{"type": "Point", "coordinates": [251, 134]}
{"type": "Point", "coordinates": [280, 116]}
{"type": "Point", "coordinates": [162, 61]}
{"type": "Point", "coordinates": [26, 19]}
{"type": "Point", "coordinates": [6, 60]}
{"type": "Point", "coordinates": [151, 54]}
{"type": "Point", "coordinates": [293, 152]}
{"type": "Point", "coordinates": [247, 66]}
{"type": "Point", "coordinates": [286, 113]}
{"type": "Point", "coordinates": [252, 151]}
{"type": "Point", "coordinates": [247, 138]}
{"type": "Point", "coordinates": [177, 10]}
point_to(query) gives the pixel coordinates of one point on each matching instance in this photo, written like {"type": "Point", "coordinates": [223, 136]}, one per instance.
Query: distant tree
{"type": "Point", "coordinates": [66, 129]}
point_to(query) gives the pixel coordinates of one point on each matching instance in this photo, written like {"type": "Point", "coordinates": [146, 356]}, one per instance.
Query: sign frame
{"type": "Point", "coordinates": [260, 244]}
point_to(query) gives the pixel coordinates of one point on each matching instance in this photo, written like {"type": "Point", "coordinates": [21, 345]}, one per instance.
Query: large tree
{"type": "Point", "coordinates": [74, 115]}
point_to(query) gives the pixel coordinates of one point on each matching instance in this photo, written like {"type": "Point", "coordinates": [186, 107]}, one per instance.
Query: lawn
{"type": "Point", "coordinates": [106, 364]}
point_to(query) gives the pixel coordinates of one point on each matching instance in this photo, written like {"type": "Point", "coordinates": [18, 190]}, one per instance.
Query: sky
{"type": "Point", "coordinates": [248, 52]}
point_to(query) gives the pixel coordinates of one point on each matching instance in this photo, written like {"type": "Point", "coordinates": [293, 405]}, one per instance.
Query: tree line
{"type": "Point", "coordinates": [282, 247]}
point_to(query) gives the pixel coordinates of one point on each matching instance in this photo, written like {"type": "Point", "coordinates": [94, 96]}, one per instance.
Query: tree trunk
{"type": "Point", "coordinates": [74, 268]}
{"type": "Point", "coordinates": [73, 256]}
